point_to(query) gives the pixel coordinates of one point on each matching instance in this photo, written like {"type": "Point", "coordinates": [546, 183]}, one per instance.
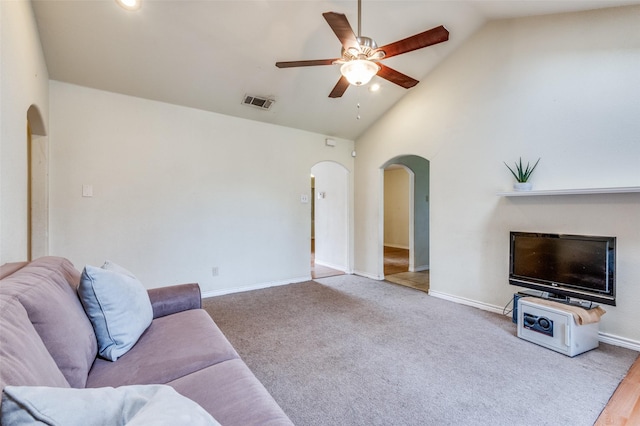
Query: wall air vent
{"type": "Point", "coordinates": [258, 101]}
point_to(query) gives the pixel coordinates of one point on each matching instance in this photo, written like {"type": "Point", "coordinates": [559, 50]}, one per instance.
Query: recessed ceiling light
{"type": "Point", "coordinates": [374, 87]}
{"type": "Point", "coordinates": [130, 4]}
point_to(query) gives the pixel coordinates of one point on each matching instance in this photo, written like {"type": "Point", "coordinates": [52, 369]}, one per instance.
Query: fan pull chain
{"type": "Point", "coordinates": [358, 92]}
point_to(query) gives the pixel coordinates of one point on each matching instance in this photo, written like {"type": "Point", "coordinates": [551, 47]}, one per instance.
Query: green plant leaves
{"type": "Point", "coordinates": [522, 173]}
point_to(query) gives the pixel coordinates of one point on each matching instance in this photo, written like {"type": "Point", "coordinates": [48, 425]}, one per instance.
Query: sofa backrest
{"type": "Point", "coordinates": [9, 268]}
{"type": "Point", "coordinates": [46, 289]}
{"type": "Point", "coordinates": [24, 360]}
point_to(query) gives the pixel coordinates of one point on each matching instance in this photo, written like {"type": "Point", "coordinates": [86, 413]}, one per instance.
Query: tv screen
{"type": "Point", "coordinates": [574, 266]}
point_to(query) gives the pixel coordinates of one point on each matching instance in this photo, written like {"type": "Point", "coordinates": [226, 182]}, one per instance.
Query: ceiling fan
{"type": "Point", "coordinates": [361, 56]}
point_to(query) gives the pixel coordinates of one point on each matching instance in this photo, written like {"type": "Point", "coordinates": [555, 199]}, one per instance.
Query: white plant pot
{"type": "Point", "coordinates": [522, 186]}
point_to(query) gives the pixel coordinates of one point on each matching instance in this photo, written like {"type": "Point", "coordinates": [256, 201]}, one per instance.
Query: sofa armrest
{"type": "Point", "coordinates": [175, 298]}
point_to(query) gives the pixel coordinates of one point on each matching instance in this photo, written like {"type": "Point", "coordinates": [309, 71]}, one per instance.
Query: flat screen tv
{"type": "Point", "coordinates": [565, 266]}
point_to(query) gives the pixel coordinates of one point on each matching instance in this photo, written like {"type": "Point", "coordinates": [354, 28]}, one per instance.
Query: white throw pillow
{"type": "Point", "coordinates": [135, 405]}
{"type": "Point", "coordinates": [118, 306]}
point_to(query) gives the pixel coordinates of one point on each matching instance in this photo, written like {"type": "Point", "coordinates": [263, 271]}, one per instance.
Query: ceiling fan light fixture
{"type": "Point", "coordinates": [130, 4]}
{"type": "Point", "coordinates": [359, 71]}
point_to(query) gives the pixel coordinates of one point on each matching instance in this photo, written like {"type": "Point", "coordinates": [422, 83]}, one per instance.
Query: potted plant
{"type": "Point", "coordinates": [522, 175]}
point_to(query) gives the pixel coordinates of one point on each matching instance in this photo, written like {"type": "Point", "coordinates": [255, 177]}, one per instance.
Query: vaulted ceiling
{"type": "Point", "coordinates": [208, 54]}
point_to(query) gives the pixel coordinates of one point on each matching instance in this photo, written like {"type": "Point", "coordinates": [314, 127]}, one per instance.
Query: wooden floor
{"type": "Point", "coordinates": [396, 270]}
{"type": "Point", "coordinates": [396, 260]}
{"type": "Point", "coordinates": [623, 408]}
{"type": "Point", "coordinates": [416, 280]}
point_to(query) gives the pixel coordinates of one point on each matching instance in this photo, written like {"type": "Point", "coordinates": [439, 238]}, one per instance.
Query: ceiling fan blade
{"type": "Point", "coordinates": [291, 64]}
{"type": "Point", "coordinates": [339, 88]}
{"type": "Point", "coordinates": [396, 77]}
{"type": "Point", "coordinates": [428, 38]}
{"type": "Point", "coordinates": [340, 25]}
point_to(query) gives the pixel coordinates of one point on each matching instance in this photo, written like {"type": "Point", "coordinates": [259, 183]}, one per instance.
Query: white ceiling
{"type": "Point", "coordinates": [208, 54]}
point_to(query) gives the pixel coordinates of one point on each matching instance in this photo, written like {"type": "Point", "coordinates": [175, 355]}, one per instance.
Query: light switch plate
{"type": "Point", "coordinates": [87, 190]}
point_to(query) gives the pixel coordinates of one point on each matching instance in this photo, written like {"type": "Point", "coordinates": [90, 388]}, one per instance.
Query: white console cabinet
{"type": "Point", "coordinates": [554, 328]}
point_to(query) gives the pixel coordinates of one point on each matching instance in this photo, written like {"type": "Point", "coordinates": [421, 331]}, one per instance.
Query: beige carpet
{"type": "Point", "coordinates": [417, 280]}
{"type": "Point", "coordinates": [348, 350]}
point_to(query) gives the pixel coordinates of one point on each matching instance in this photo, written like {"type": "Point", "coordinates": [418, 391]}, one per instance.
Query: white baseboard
{"type": "Point", "coordinates": [619, 341]}
{"type": "Point", "coordinates": [468, 302]}
{"type": "Point", "coordinates": [330, 265]}
{"type": "Point", "coordinates": [368, 275]}
{"type": "Point", "coordinates": [602, 337]}
{"type": "Point", "coordinates": [221, 292]}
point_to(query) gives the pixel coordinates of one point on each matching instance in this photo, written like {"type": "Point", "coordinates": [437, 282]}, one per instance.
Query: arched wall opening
{"type": "Point", "coordinates": [398, 221]}
{"type": "Point", "coordinates": [418, 210]}
{"type": "Point", "coordinates": [37, 185]}
{"type": "Point", "coordinates": [331, 215]}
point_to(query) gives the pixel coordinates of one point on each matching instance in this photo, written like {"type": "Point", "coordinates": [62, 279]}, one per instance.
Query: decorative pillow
{"type": "Point", "coordinates": [126, 405]}
{"type": "Point", "coordinates": [118, 306]}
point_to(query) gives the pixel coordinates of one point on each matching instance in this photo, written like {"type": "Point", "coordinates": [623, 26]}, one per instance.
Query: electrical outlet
{"type": "Point", "coordinates": [87, 190]}
{"type": "Point", "coordinates": [214, 271]}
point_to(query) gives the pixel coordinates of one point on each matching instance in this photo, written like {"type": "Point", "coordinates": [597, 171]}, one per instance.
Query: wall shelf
{"type": "Point", "coordinates": [581, 191]}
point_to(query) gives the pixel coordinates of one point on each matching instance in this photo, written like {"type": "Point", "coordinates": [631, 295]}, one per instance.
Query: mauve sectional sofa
{"type": "Point", "coordinates": [46, 339]}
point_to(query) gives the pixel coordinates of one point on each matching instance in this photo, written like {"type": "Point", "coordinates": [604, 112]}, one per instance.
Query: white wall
{"type": "Point", "coordinates": [177, 191]}
{"type": "Point", "coordinates": [333, 214]}
{"type": "Point", "coordinates": [23, 82]}
{"type": "Point", "coordinates": [565, 88]}
{"type": "Point", "coordinates": [396, 208]}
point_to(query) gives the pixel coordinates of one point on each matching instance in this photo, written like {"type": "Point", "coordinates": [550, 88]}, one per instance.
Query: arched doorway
{"type": "Point", "coordinates": [330, 219]}
{"type": "Point", "coordinates": [398, 219]}
{"type": "Point", "coordinates": [404, 245]}
{"type": "Point", "coordinates": [37, 185]}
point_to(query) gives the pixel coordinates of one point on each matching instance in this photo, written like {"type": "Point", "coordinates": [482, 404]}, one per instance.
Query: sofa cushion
{"type": "Point", "coordinates": [118, 306]}
{"type": "Point", "coordinates": [128, 405]}
{"type": "Point", "coordinates": [24, 360]}
{"type": "Point", "coordinates": [46, 288]}
{"type": "Point", "coordinates": [173, 346]}
{"type": "Point", "coordinates": [226, 390]}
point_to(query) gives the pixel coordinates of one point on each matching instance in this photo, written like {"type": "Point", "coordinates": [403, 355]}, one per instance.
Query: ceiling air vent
{"type": "Point", "coordinates": [258, 101]}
